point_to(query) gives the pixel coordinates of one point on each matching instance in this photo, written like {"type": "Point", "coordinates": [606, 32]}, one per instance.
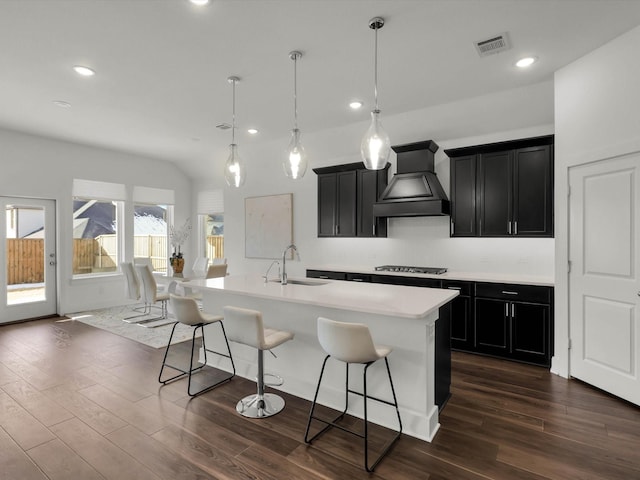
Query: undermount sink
{"type": "Point", "coordinates": [294, 281]}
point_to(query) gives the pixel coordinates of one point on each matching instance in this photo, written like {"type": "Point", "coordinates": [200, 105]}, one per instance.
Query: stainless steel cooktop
{"type": "Point", "coordinates": [408, 269]}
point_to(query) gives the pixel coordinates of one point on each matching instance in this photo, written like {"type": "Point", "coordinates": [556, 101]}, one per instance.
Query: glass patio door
{"type": "Point", "coordinates": [27, 259]}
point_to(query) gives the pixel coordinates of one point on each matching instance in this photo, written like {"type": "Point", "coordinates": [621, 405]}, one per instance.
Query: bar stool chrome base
{"type": "Point", "coordinates": [253, 406]}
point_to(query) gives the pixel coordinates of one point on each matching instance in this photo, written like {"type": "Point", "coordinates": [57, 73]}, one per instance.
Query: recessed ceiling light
{"type": "Point", "coordinates": [355, 105]}
{"type": "Point", "coordinates": [200, 3]}
{"type": "Point", "coordinates": [252, 131]}
{"type": "Point", "coordinates": [84, 71]}
{"type": "Point", "coordinates": [526, 62]}
{"type": "Point", "coordinates": [62, 104]}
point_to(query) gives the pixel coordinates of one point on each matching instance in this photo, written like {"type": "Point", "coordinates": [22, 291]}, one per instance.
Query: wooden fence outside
{"type": "Point", "coordinates": [25, 260]}
{"type": "Point", "coordinates": [25, 256]}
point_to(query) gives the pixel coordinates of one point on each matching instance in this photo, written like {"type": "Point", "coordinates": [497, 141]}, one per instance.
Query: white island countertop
{"type": "Point", "coordinates": [391, 300]}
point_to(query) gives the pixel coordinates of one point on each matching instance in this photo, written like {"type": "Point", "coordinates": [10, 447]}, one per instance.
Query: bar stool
{"type": "Point", "coordinates": [246, 327]}
{"type": "Point", "coordinates": [187, 313]}
{"type": "Point", "coordinates": [352, 343]}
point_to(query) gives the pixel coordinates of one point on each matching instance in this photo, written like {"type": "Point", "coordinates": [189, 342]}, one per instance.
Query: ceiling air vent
{"type": "Point", "coordinates": [496, 44]}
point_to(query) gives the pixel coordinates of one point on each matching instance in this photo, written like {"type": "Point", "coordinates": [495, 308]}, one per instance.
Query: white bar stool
{"type": "Point", "coordinates": [352, 343]}
{"type": "Point", "coordinates": [246, 326]}
{"type": "Point", "coordinates": [187, 312]}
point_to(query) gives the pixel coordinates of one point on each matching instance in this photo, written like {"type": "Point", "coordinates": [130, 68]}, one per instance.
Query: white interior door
{"type": "Point", "coordinates": [28, 259]}
{"type": "Point", "coordinates": [604, 286]}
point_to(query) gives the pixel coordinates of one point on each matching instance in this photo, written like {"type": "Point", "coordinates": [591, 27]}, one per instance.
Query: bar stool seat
{"type": "Point", "coordinates": [352, 343]}
{"type": "Point", "coordinates": [187, 313]}
{"type": "Point", "coordinates": [246, 327]}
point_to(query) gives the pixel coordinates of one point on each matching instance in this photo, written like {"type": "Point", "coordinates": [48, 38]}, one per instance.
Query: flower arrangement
{"type": "Point", "coordinates": [178, 236]}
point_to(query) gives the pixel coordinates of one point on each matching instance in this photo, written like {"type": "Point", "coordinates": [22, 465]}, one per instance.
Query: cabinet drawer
{"type": "Point", "coordinates": [510, 291]}
{"type": "Point", "coordinates": [326, 274]}
{"type": "Point", "coordinates": [465, 288]}
{"type": "Point", "coordinates": [407, 281]}
{"type": "Point", "coordinates": [358, 277]}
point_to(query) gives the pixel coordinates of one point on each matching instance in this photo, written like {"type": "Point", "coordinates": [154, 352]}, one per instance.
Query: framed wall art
{"type": "Point", "coordinates": [268, 225]}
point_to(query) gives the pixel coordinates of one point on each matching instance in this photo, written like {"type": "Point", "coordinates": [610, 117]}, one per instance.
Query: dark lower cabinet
{"type": "Point", "coordinates": [530, 334]}
{"type": "Point", "coordinates": [510, 321]}
{"type": "Point", "coordinates": [514, 321]}
{"type": "Point", "coordinates": [492, 326]}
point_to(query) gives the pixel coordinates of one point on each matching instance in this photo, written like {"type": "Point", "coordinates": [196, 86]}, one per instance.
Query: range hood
{"type": "Point", "coordinates": [414, 191]}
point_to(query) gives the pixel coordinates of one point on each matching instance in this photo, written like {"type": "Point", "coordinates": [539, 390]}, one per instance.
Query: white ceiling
{"type": "Point", "coordinates": [162, 65]}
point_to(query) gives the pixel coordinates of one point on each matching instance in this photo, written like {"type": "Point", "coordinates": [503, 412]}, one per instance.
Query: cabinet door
{"type": "Point", "coordinates": [327, 193]}
{"type": "Point", "coordinates": [533, 192]}
{"type": "Point", "coordinates": [369, 189]}
{"type": "Point", "coordinates": [463, 196]}
{"type": "Point", "coordinates": [492, 326]}
{"type": "Point", "coordinates": [530, 337]}
{"type": "Point", "coordinates": [346, 204]}
{"type": "Point", "coordinates": [461, 325]}
{"type": "Point", "coordinates": [495, 194]}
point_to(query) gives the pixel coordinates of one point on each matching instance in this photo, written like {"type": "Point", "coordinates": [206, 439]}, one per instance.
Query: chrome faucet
{"type": "Point", "coordinates": [266, 275]}
{"type": "Point", "coordinates": [283, 278]}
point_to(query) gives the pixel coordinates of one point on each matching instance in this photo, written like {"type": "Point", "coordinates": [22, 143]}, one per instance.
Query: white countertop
{"type": "Point", "coordinates": [521, 279]}
{"type": "Point", "coordinates": [391, 300]}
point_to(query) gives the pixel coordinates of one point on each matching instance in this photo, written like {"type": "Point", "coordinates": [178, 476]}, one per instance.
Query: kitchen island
{"type": "Point", "coordinates": [398, 316]}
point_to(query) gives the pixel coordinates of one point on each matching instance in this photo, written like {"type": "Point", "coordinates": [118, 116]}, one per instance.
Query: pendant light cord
{"type": "Point", "coordinates": [233, 121]}
{"type": "Point", "coordinates": [375, 68]}
{"type": "Point", "coordinates": [295, 90]}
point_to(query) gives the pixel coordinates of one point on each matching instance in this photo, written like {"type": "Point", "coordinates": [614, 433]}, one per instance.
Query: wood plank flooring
{"type": "Point", "coordinates": [81, 403]}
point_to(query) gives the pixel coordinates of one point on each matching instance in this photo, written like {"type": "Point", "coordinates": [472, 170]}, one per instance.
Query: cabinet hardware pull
{"type": "Point", "coordinates": [515, 228]}
{"type": "Point", "coordinates": [453, 228]}
{"type": "Point", "coordinates": [323, 276]}
{"type": "Point", "coordinates": [460, 288]}
{"type": "Point", "coordinates": [508, 292]}
{"type": "Point", "coordinates": [357, 280]}
{"type": "Point", "coordinates": [513, 310]}
{"type": "Point", "coordinates": [506, 309]}
{"type": "Point", "coordinates": [509, 227]}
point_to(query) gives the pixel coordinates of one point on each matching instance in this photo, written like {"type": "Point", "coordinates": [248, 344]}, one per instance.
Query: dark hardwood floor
{"type": "Point", "coordinates": [80, 403]}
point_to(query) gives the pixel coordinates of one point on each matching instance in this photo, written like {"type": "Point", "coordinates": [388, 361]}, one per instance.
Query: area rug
{"type": "Point", "coordinates": [110, 319]}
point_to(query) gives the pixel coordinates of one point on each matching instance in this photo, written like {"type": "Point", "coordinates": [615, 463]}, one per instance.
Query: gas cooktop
{"type": "Point", "coordinates": [407, 269]}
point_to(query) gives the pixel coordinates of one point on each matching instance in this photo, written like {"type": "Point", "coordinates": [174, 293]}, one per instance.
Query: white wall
{"type": "Point", "coordinates": [39, 167]}
{"type": "Point", "coordinates": [597, 105]}
{"type": "Point", "coordinates": [422, 241]}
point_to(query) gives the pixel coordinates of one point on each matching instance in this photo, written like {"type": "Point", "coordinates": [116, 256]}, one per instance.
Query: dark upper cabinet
{"type": "Point", "coordinates": [327, 194]}
{"type": "Point", "coordinates": [346, 204]}
{"type": "Point", "coordinates": [463, 190]}
{"type": "Point", "coordinates": [503, 189]}
{"type": "Point", "coordinates": [495, 194]}
{"type": "Point", "coordinates": [533, 192]}
{"type": "Point", "coordinates": [371, 184]}
{"type": "Point", "coordinates": [346, 194]}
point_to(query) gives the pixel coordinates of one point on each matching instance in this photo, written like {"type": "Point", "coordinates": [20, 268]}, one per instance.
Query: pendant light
{"type": "Point", "coordinates": [295, 161]}
{"type": "Point", "coordinates": [235, 171]}
{"type": "Point", "coordinates": [375, 146]}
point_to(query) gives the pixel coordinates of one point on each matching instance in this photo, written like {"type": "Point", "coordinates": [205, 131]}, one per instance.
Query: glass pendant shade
{"type": "Point", "coordinates": [235, 171]}
{"type": "Point", "coordinates": [376, 146]}
{"type": "Point", "coordinates": [295, 162]}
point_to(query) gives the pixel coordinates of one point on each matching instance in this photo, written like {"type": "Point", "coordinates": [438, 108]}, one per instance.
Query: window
{"type": "Point", "coordinates": [213, 235]}
{"type": "Point", "coordinates": [97, 236]}
{"type": "Point", "coordinates": [211, 223]}
{"type": "Point", "coordinates": [150, 234]}
{"type": "Point", "coordinates": [152, 209]}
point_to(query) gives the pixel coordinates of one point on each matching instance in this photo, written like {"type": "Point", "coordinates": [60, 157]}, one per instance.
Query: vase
{"type": "Point", "coordinates": [177, 265]}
